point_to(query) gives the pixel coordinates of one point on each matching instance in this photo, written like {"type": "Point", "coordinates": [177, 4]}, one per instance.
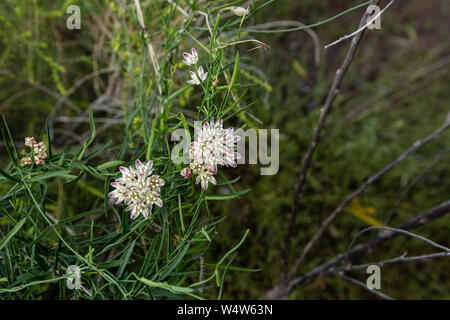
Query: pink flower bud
{"type": "Point", "coordinates": [185, 173]}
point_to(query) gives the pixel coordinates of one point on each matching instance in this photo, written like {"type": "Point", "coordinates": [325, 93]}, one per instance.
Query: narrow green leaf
{"type": "Point", "coordinates": [7, 176]}
{"type": "Point", "coordinates": [150, 142]}
{"type": "Point", "coordinates": [126, 257]}
{"type": "Point", "coordinates": [110, 164]}
{"type": "Point", "coordinates": [227, 196]}
{"type": "Point", "coordinates": [79, 216]}
{"type": "Point", "coordinates": [233, 80]}
{"type": "Point", "coordinates": [45, 176]}
{"type": "Point", "coordinates": [10, 137]}
{"type": "Point", "coordinates": [11, 234]}
{"type": "Point", "coordinates": [217, 273]}
{"type": "Point", "coordinates": [49, 142]}
{"type": "Point", "coordinates": [203, 231]}
{"type": "Point", "coordinates": [165, 285]}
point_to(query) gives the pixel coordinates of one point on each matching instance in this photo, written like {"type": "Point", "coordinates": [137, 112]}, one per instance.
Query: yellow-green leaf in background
{"type": "Point", "coordinates": [299, 69]}
{"type": "Point", "coordinates": [364, 213]}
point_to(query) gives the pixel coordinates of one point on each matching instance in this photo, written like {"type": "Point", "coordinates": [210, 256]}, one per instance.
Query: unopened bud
{"type": "Point", "coordinates": [185, 173]}
{"type": "Point", "coordinates": [239, 11]}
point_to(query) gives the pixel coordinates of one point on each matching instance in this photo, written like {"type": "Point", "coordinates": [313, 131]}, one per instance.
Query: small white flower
{"type": "Point", "coordinates": [38, 160]}
{"type": "Point", "coordinates": [190, 58]}
{"type": "Point", "coordinates": [26, 161]}
{"type": "Point", "coordinates": [201, 75]}
{"type": "Point", "coordinates": [239, 11]}
{"type": "Point", "coordinates": [30, 141]}
{"type": "Point", "coordinates": [205, 177]}
{"type": "Point", "coordinates": [39, 147]}
{"type": "Point", "coordinates": [194, 79]}
{"type": "Point", "coordinates": [138, 189]}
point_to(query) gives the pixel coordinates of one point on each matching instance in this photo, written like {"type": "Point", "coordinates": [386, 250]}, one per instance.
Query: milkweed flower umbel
{"type": "Point", "coordinates": [190, 58]}
{"type": "Point", "coordinates": [138, 189]}
{"type": "Point", "coordinates": [213, 146]}
{"type": "Point", "coordinates": [38, 152]}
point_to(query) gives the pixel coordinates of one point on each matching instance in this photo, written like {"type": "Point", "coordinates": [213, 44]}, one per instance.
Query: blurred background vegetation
{"type": "Point", "coordinates": [395, 92]}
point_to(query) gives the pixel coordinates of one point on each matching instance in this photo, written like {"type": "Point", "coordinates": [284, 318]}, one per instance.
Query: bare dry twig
{"type": "Point", "coordinates": [334, 90]}
{"type": "Point", "coordinates": [361, 284]}
{"type": "Point", "coordinates": [402, 258]}
{"type": "Point", "coordinates": [432, 243]}
{"type": "Point", "coordinates": [283, 289]}
{"type": "Point", "coordinates": [416, 146]}
{"type": "Point", "coordinates": [364, 27]}
{"type": "Point", "coordinates": [285, 23]}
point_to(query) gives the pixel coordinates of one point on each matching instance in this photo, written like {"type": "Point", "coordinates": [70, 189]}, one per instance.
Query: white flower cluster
{"type": "Point", "coordinates": [213, 146]}
{"type": "Point", "coordinates": [138, 189]}
{"type": "Point", "coordinates": [38, 152]}
{"type": "Point", "coordinates": [192, 59]}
